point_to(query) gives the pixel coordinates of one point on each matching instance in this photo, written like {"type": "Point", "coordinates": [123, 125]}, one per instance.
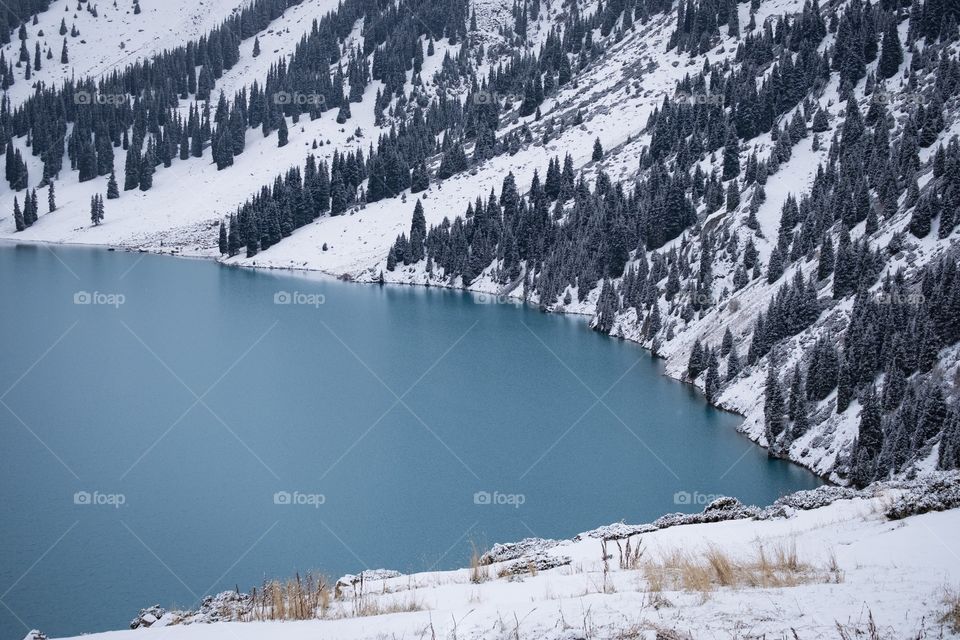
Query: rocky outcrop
{"type": "Point", "coordinates": [503, 552]}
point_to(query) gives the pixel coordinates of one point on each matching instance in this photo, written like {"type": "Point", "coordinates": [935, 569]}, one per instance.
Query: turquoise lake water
{"type": "Point", "coordinates": [173, 428]}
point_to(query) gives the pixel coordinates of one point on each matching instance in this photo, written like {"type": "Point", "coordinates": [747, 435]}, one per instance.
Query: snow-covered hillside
{"type": "Point", "coordinates": [819, 564]}
{"type": "Point", "coordinates": [113, 39]}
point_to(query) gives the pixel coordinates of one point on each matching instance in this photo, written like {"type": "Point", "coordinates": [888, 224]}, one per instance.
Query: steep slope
{"type": "Point", "coordinates": [114, 38]}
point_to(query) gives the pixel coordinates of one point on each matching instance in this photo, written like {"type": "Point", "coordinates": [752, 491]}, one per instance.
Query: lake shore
{"type": "Point", "coordinates": [788, 566]}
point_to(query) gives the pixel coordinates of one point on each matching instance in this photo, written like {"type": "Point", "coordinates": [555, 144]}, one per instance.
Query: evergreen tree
{"type": "Point", "coordinates": [731, 156]}
{"type": "Point", "coordinates": [420, 178]}
{"type": "Point", "coordinates": [18, 215]}
{"type": "Point", "coordinates": [113, 191]}
{"type": "Point", "coordinates": [132, 168]}
{"type": "Point", "coordinates": [891, 53]}
{"type": "Point", "coordinates": [597, 150]}
{"type": "Point", "coordinates": [773, 407]}
{"type": "Point", "coordinates": [712, 383]}
{"type": "Point", "coordinates": [845, 385]}
{"type": "Point", "coordinates": [147, 168]}
{"type": "Point", "coordinates": [697, 361]}
{"type": "Point", "coordinates": [733, 364]}
{"type": "Point", "coordinates": [96, 210]}
{"type": "Point", "coordinates": [282, 133]}
{"type": "Point", "coordinates": [222, 240]}
{"type": "Point", "coordinates": [233, 238]}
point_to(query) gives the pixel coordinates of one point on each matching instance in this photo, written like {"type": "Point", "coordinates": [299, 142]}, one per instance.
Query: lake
{"type": "Point", "coordinates": [173, 428]}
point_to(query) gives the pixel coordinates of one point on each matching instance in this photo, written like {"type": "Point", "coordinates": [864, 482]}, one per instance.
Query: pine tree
{"type": "Point", "coordinates": [18, 215]}
{"type": "Point", "coordinates": [712, 383]}
{"type": "Point", "coordinates": [606, 307]}
{"type": "Point", "coordinates": [922, 218]}
{"type": "Point", "coordinates": [776, 267]}
{"type": "Point", "coordinates": [826, 259]}
{"type": "Point", "coordinates": [891, 53]}
{"type": "Point", "coordinates": [282, 133]}
{"type": "Point", "coordinates": [733, 364]}
{"type": "Point", "coordinates": [420, 178]}
{"type": "Point", "coordinates": [51, 198]}
{"type": "Point", "coordinates": [96, 212]}
{"type": "Point", "coordinates": [870, 436]}
{"type": "Point", "coordinates": [733, 19]}
{"type": "Point", "coordinates": [233, 238]}
{"type": "Point", "coordinates": [251, 236]}
{"type": "Point", "coordinates": [731, 156]}
{"type": "Point", "coordinates": [344, 113]}
{"type": "Point", "coordinates": [697, 361]}
{"type": "Point", "coordinates": [132, 167]}
{"type": "Point", "coordinates": [773, 407]}
{"type": "Point", "coordinates": [733, 195]}
{"type": "Point", "coordinates": [845, 386]}
{"type": "Point", "coordinates": [64, 55]}
{"type": "Point", "coordinates": [256, 46]}
{"type": "Point", "coordinates": [597, 150]}
{"type": "Point", "coordinates": [222, 240]}
{"type": "Point", "coordinates": [113, 192]}
{"type": "Point", "coordinates": [726, 344]}
{"type": "Point", "coordinates": [147, 168]}
{"type": "Point", "coordinates": [419, 222]}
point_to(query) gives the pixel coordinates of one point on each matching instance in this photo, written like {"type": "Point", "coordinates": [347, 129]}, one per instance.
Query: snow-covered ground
{"type": "Point", "coordinates": [826, 572]}
{"type": "Point", "coordinates": [117, 37]}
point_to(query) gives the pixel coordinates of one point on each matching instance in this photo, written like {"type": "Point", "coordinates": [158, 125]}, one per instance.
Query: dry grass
{"type": "Point", "coordinates": [296, 599]}
{"type": "Point", "coordinates": [770, 566]}
{"type": "Point", "coordinates": [478, 572]}
{"type": "Point", "coordinates": [951, 616]}
{"type": "Point", "coordinates": [309, 598]}
{"type": "Point", "coordinates": [630, 557]}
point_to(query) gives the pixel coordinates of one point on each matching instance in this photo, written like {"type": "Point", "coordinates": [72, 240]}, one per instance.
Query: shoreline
{"type": "Point", "coordinates": [353, 279]}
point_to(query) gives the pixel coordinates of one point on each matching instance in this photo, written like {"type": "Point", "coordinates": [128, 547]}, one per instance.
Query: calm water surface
{"type": "Point", "coordinates": [181, 433]}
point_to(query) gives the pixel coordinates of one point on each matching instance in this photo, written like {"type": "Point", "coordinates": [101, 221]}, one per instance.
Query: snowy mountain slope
{"type": "Point", "coordinates": [96, 50]}
{"type": "Point", "coordinates": [841, 565]}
